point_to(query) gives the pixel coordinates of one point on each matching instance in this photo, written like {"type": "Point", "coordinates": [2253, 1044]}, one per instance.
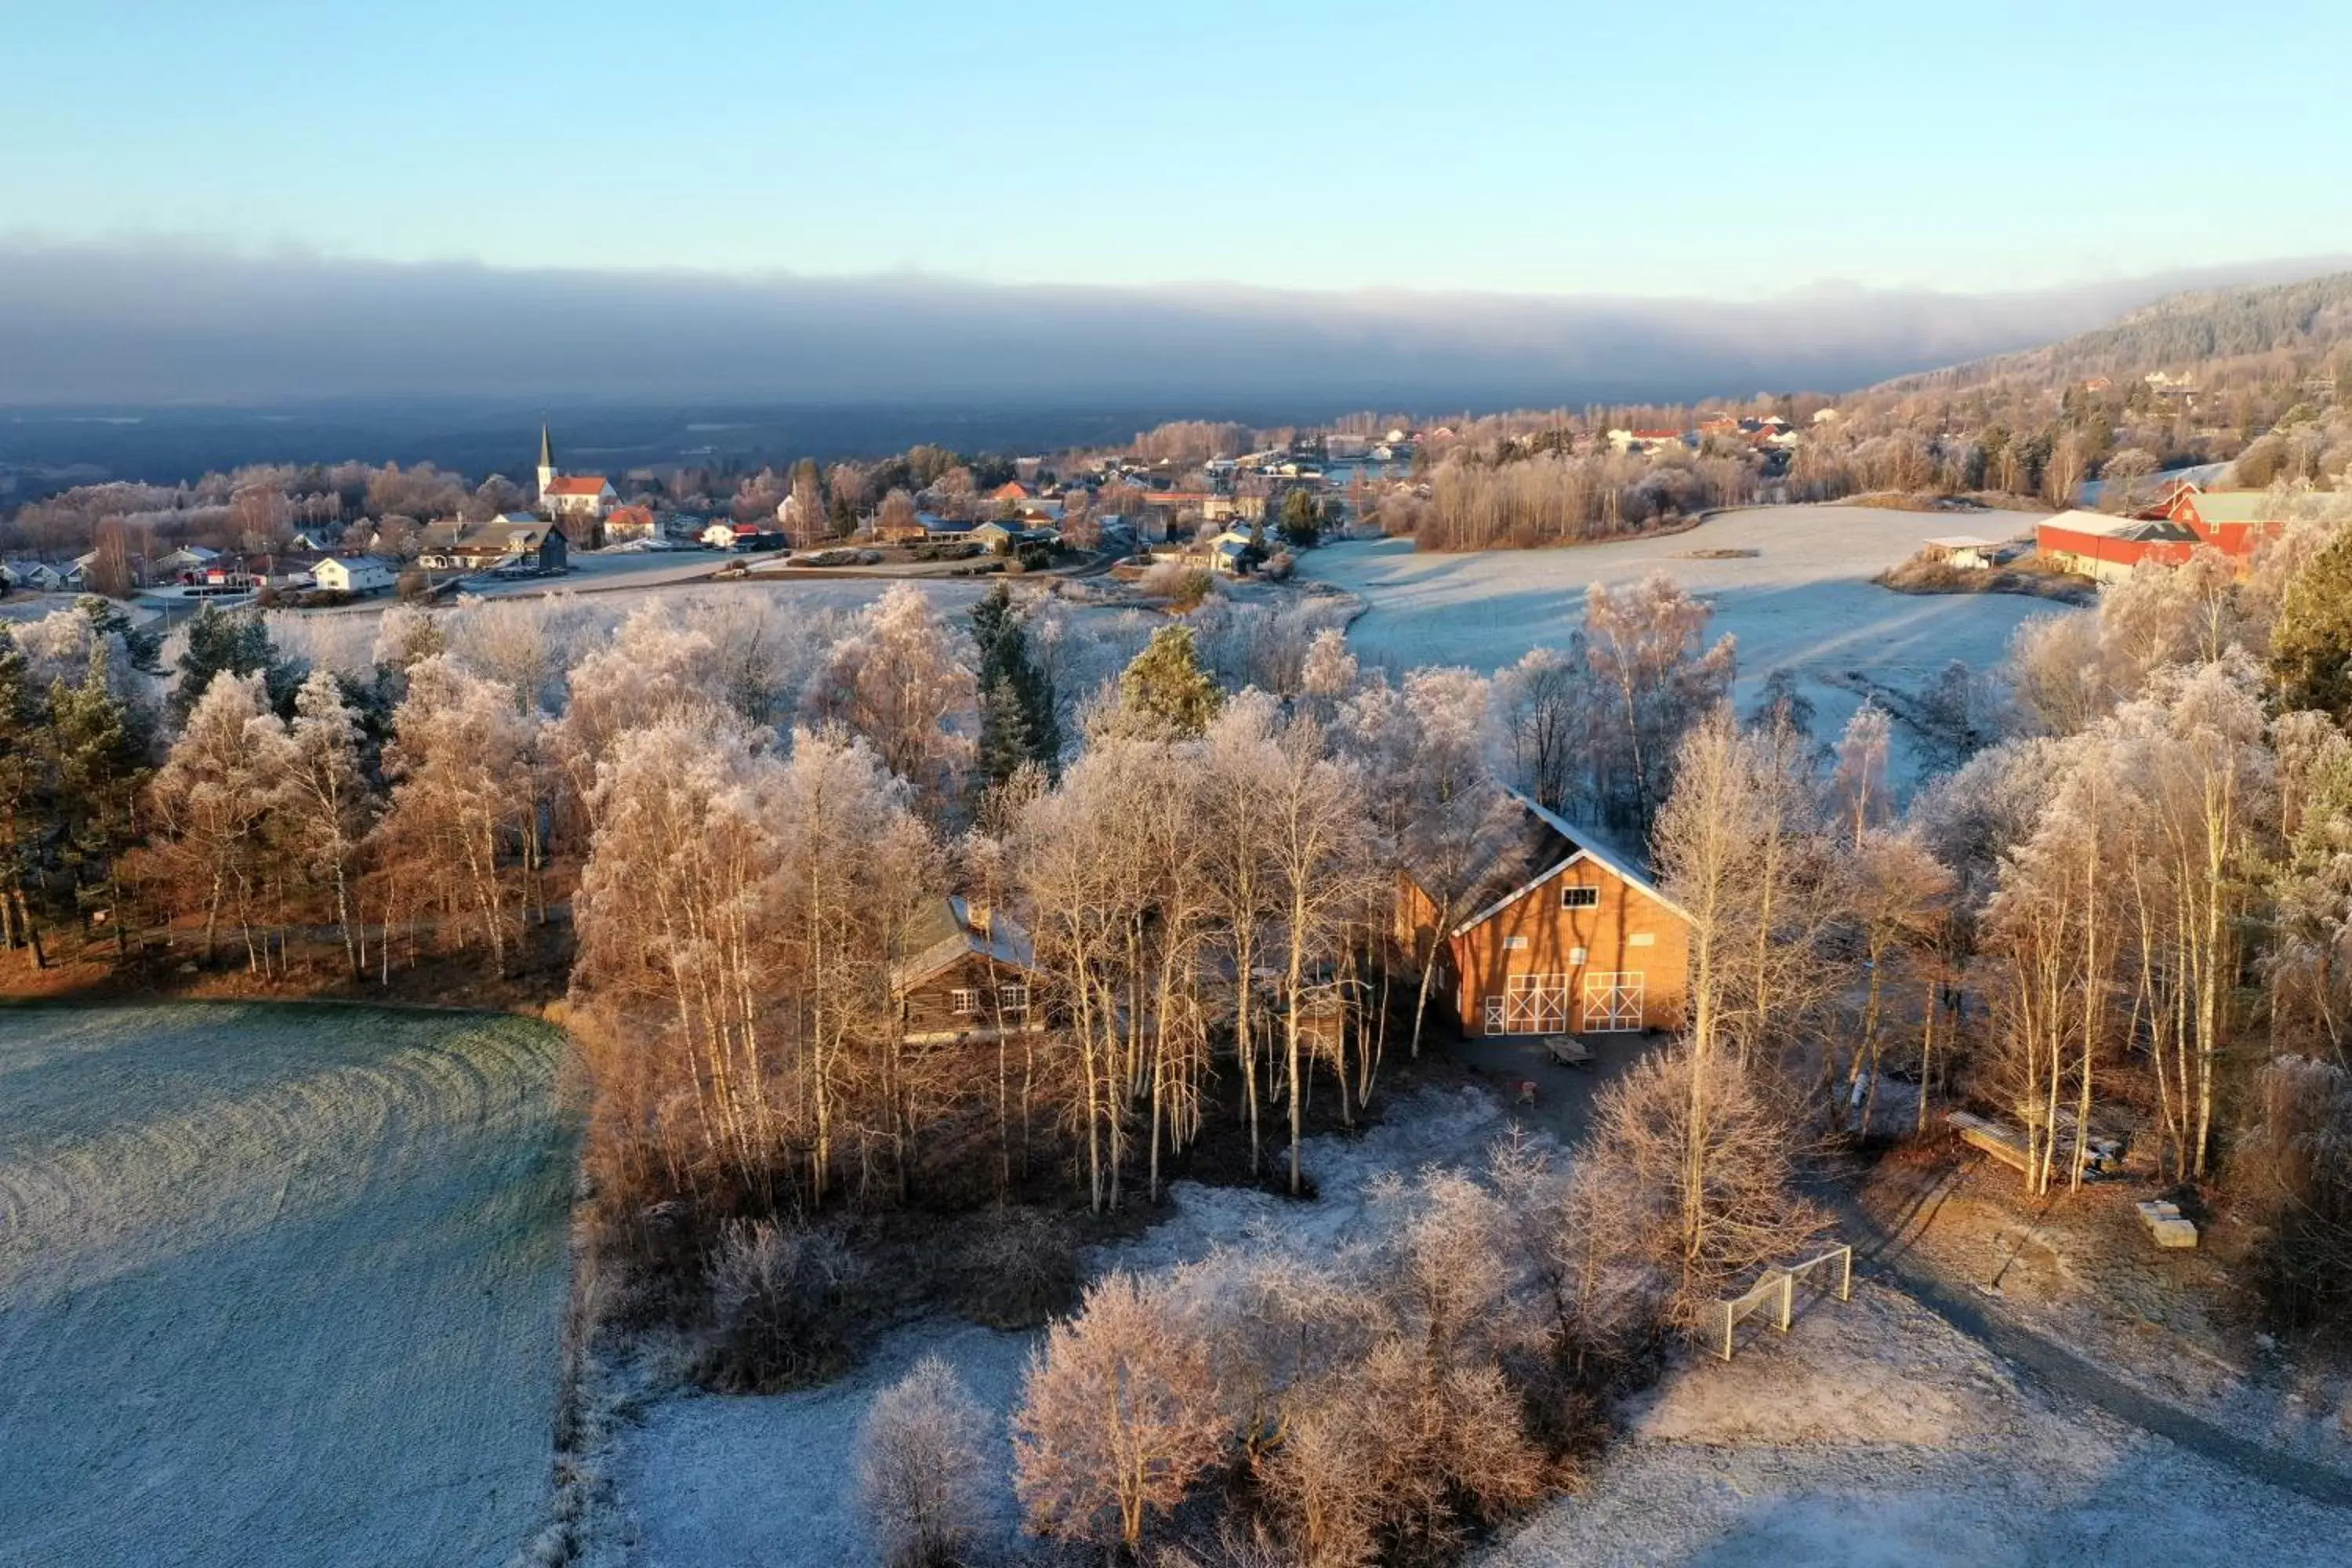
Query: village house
{"type": "Point", "coordinates": [587, 496]}
{"type": "Point", "coordinates": [971, 974]}
{"type": "Point", "coordinates": [353, 575]}
{"type": "Point", "coordinates": [530, 544]}
{"type": "Point", "coordinates": [627, 523]}
{"type": "Point", "coordinates": [1002, 538]}
{"type": "Point", "coordinates": [31, 577]}
{"type": "Point", "coordinates": [1558, 935]}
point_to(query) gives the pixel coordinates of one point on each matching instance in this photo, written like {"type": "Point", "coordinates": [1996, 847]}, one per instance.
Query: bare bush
{"type": "Point", "coordinates": [921, 1455]}
{"type": "Point", "coordinates": [1022, 1267]}
{"type": "Point", "coordinates": [2296, 1165]}
{"type": "Point", "coordinates": [1390, 1454]}
{"type": "Point", "coordinates": [780, 1294]}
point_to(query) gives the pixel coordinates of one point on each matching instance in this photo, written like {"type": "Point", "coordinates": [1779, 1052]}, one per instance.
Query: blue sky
{"type": "Point", "coordinates": [1558, 148]}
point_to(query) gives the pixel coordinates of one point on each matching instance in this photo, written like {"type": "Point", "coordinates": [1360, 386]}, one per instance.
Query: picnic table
{"type": "Point", "coordinates": [1568, 1051]}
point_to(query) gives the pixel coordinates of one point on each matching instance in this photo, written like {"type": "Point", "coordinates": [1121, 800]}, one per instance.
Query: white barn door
{"type": "Point", "coordinates": [1613, 1001]}
{"type": "Point", "coordinates": [1534, 1004]}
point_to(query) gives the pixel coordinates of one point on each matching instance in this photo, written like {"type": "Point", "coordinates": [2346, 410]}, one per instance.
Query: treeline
{"type": "Point", "coordinates": [1529, 496]}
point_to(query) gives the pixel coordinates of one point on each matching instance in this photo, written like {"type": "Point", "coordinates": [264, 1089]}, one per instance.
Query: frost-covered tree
{"type": "Point", "coordinates": [212, 796]}
{"type": "Point", "coordinates": [324, 801]}
{"type": "Point", "coordinates": [1859, 788]}
{"type": "Point", "coordinates": [1646, 646]}
{"type": "Point", "coordinates": [464, 798]}
{"type": "Point", "coordinates": [900, 681]}
{"type": "Point", "coordinates": [922, 1455]}
{"type": "Point", "coordinates": [1119, 1416]}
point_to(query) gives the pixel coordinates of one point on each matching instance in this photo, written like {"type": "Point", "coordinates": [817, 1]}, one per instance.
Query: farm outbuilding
{"type": "Point", "coordinates": [1561, 935]}
{"type": "Point", "coordinates": [1964, 550]}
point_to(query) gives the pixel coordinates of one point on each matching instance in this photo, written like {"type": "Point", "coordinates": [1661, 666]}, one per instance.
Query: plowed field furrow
{"type": "Point", "coordinates": [277, 1285]}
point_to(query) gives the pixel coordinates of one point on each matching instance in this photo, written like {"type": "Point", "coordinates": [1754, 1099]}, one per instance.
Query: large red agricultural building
{"type": "Point", "coordinates": [2110, 547]}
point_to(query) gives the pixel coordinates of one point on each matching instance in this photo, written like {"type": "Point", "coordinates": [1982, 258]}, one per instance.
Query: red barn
{"type": "Point", "coordinates": [2097, 545]}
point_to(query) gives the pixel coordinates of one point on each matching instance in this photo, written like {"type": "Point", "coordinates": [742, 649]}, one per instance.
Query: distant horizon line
{"type": "Point", "coordinates": [1825, 287]}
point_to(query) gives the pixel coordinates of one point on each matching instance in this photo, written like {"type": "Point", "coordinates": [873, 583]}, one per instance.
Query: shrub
{"type": "Point", "coordinates": [2296, 1165]}
{"type": "Point", "coordinates": [1022, 1268]}
{"type": "Point", "coordinates": [920, 1456]}
{"type": "Point", "coordinates": [780, 1295]}
{"type": "Point", "coordinates": [1182, 586]}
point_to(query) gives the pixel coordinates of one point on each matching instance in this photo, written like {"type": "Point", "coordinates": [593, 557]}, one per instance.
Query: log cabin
{"type": "Point", "coordinates": [1559, 934]}
{"type": "Point", "coordinates": [971, 975]}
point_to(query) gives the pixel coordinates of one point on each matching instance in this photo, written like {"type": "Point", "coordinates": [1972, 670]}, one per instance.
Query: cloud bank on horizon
{"type": "Point", "coordinates": [118, 324]}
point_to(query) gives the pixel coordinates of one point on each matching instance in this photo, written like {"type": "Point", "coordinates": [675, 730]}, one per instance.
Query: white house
{"type": "Point", "coordinates": [351, 575]}
{"type": "Point", "coordinates": [32, 576]}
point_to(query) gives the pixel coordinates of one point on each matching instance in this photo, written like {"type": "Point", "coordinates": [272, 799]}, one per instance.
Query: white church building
{"type": "Point", "coordinates": [571, 495]}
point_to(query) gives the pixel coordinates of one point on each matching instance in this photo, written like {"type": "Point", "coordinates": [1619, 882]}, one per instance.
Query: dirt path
{"type": "Point", "coordinates": [2065, 1375]}
{"type": "Point", "coordinates": [276, 1284]}
{"type": "Point", "coordinates": [1563, 1107]}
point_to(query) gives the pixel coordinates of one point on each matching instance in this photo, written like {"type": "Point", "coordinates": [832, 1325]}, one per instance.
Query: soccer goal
{"type": "Point", "coordinates": [1777, 1293]}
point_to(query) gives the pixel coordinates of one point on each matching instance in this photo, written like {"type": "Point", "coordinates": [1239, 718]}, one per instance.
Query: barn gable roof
{"type": "Point", "coordinates": [1545, 846]}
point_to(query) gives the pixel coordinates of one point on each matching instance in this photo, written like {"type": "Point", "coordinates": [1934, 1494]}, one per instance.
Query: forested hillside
{"type": "Point", "coordinates": [2310, 321]}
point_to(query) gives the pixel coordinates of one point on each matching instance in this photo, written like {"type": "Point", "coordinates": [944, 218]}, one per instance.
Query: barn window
{"type": "Point", "coordinates": [1642, 938]}
{"type": "Point", "coordinates": [1013, 1001]}
{"type": "Point", "coordinates": [1513, 943]}
{"type": "Point", "coordinates": [964, 1001]}
{"type": "Point", "coordinates": [1580, 897]}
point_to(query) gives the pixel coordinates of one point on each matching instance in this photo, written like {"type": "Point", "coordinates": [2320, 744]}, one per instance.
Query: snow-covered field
{"type": "Point", "coordinates": [1873, 1436]}
{"type": "Point", "coordinates": [277, 1285]}
{"type": "Point", "coordinates": [1803, 601]}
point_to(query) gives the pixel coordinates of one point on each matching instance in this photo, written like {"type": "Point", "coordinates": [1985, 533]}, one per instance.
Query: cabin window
{"type": "Point", "coordinates": [1580, 897]}
{"type": "Point", "coordinates": [964, 1001]}
{"type": "Point", "coordinates": [1013, 1001]}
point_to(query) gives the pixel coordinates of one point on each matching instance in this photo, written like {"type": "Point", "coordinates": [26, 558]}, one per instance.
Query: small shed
{"type": "Point", "coordinates": [1964, 550]}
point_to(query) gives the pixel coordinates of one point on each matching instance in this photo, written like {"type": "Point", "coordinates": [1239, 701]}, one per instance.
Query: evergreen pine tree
{"type": "Point", "coordinates": [1165, 692]}
{"type": "Point", "coordinates": [1018, 723]}
{"type": "Point", "coordinates": [2310, 646]}
{"type": "Point", "coordinates": [145, 644]}
{"type": "Point", "coordinates": [100, 749]}
{"type": "Point", "coordinates": [24, 729]}
{"type": "Point", "coordinates": [221, 644]}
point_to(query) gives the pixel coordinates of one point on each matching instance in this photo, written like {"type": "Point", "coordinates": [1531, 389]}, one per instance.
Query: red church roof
{"type": "Point", "coordinates": [575, 485]}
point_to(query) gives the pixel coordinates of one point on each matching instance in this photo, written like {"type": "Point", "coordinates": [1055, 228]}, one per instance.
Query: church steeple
{"type": "Point", "coordinates": [546, 460]}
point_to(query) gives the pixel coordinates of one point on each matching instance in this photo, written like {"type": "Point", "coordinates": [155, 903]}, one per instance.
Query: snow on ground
{"type": "Point", "coordinates": [276, 1284]}
{"type": "Point", "coordinates": [709, 1480]}
{"type": "Point", "coordinates": [1875, 1435]}
{"type": "Point", "coordinates": [1805, 601]}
